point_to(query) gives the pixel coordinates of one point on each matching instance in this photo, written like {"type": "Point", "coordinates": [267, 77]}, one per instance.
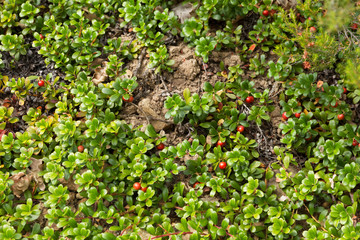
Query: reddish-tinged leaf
{"type": "Point", "coordinates": [252, 47]}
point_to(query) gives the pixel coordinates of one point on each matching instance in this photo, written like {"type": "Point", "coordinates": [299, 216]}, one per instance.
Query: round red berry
{"type": "Point", "coordinates": [354, 143]}
{"type": "Point", "coordinates": [336, 104]}
{"type": "Point", "coordinates": [137, 186]}
{"type": "Point", "coordinates": [195, 184]}
{"type": "Point", "coordinates": [41, 83]}
{"type": "Point", "coordinates": [131, 98]}
{"type": "Point", "coordinates": [240, 128]}
{"type": "Point", "coordinates": [354, 26]}
{"type": "Point", "coordinates": [341, 117]}
{"type": "Point", "coordinates": [249, 99]}
{"type": "Point", "coordinates": [284, 116]}
{"type": "Point", "coordinates": [80, 148]}
{"type": "Point", "coordinates": [161, 146]}
{"type": "Point", "coordinates": [297, 115]}
{"type": "Point", "coordinates": [222, 165]}
{"type": "Point", "coordinates": [220, 143]}
{"type": "Point", "coordinates": [345, 90]}
{"type": "Point", "coordinates": [41, 36]}
{"type": "Point", "coordinates": [266, 13]}
{"type": "Point", "coordinates": [144, 189]}
{"type": "Point", "coordinates": [313, 29]}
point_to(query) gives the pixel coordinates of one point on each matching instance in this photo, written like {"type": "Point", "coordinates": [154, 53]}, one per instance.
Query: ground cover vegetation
{"type": "Point", "coordinates": [72, 167]}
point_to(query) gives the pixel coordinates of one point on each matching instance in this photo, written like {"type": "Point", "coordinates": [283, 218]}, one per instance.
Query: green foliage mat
{"type": "Point", "coordinates": [273, 146]}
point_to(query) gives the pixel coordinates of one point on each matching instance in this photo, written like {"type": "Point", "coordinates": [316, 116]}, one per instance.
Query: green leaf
{"type": "Point", "coordinates": [205, 125]}
{"type": "Point", "coordinates": [170, 62]}
{"type": "Point", "coordinates": [107, 91]}
{"type": "Point", "coordinates": [208, 87]}
{"type": "Point", "coordinates": [187, 95]}
{"type": "Point", "coordinates": [115, 97]}
{"type": "Point", "coordinates": [150, 131]}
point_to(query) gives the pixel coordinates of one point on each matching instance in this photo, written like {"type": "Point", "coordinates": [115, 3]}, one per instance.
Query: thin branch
{"type": "Point", "coordinates": [170, 234]}
{"type": "Point", "coordinates": [162, 81]}
{"type": "Point", "coordinates": [141, 57]}
{"type": "Point", "coordinates": [147, 118]}
{"type": "Point", "coordinates": [150, 118]}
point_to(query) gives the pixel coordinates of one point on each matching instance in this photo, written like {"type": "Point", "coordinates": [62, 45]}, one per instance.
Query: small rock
{"type": "Point", "coordinates": [287, 4]}
{"type": "Point", "coordinates": [189, 69]}
{"type": "Point", "coordinates": [146, 106]}
{"type": "Point", "coordinates": [229, 58]}
{"type": "Point", "coordinates": [232, 60]}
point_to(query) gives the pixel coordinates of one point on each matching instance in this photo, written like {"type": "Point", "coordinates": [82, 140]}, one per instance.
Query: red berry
{"type": "Point", "coordinates": [359, 144]}
{"type": "Point", "coordinates": [341, 117]}
{"type": "Point", "coordinates": [144, 189]}
{"type": "Point", "coordinates": [345, 90]}
{"type": "Point", "coordinates": [354, 143]}
{"type": "Point", "coordinates": [297, 115]}
{"type": "Point", "coordinates": [80, 148]}
{"type": "Point", "coordinates": [308, 139]}
{"type": "Point", "coordinates": [131, 98]}
{"type": "Point", "coordinates": [161, 146]}
{"type": "Point", "coordinates": [249, 99]}
{"type": "Point", "coordinates": [266, 13]}
{"type": "Point", "coordinates": [240, 128]}
{"type": "Point", "coordinates": [220, 143]}
{"type": "Point", "coordinates": [41, 83]}
{"type": "Point", "coordinates": [313, 29]}
{"type": "Point", "coordinates": [354, 26]}
{"type": "Point", "coordinates": [284, 116]}
{"type": "Point", "coordinates": [137, 186]}
{"type": "Point", "coordinates": [195, 184]}
{"type": "Point", "coordinates": [41, 36]}
{"type": "Point", "coordinates": [222, 165]}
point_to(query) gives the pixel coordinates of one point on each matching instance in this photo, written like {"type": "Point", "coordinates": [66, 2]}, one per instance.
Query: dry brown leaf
{"type": "Point", "coordinates": [100, 74]}
{"type": "Point", "coordinates": [287, 4]}
{"type": "Point", "coordinates": [92, 16]}
{"type": "Point", "coordinates": [208, 139]}
{"type": "Point", "coordinates": [97, 62]}
{"type": "Point", "coordinates": [80, 114]}
{"type": "Point", "coordinates": [21, 183]}
{"type": "Point", "coordinates": [7, 103]}
{"type": "Point", "coordinates": [184, 11]}
{"type": "Point", "coordinates": [36, 167]}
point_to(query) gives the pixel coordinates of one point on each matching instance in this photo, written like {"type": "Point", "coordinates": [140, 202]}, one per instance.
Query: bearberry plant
{"type": "Point", "coordinates": [267, 147]}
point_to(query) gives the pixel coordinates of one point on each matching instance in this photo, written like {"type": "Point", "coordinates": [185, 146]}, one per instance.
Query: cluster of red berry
{"type": "Point", "coordinates": [137, 186]}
